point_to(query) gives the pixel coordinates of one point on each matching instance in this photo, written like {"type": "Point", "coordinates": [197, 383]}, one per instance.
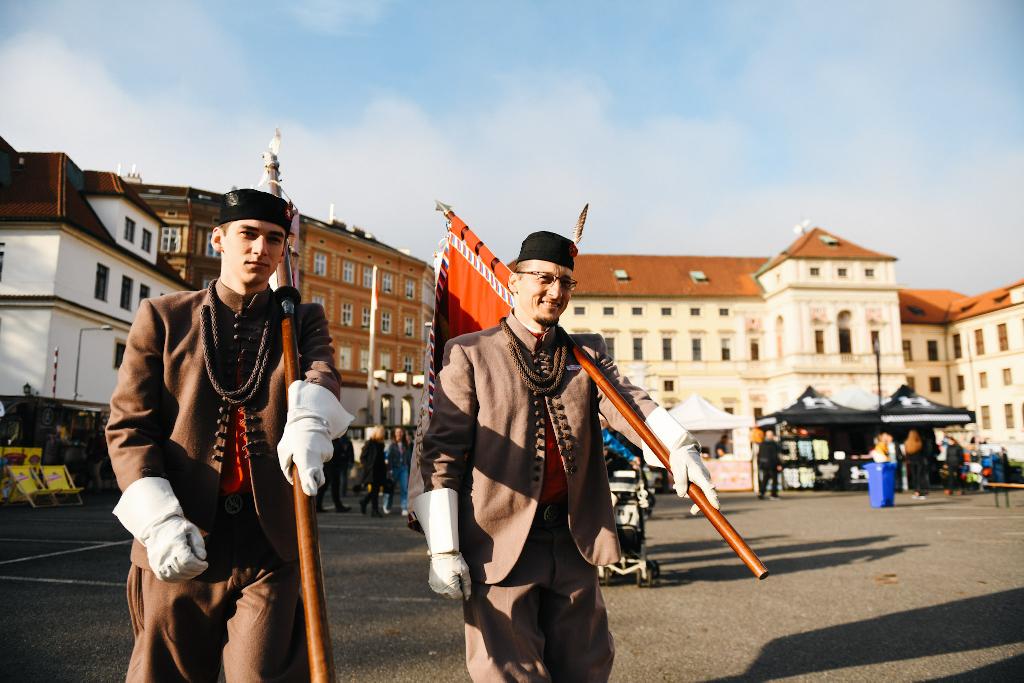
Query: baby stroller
{"type": "Point", "coordinates": [631, 501]}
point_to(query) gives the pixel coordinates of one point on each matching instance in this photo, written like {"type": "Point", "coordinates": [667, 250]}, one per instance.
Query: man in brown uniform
{"type": "Point", "coordinates": [198, 408]}
{"type": "Point", "coordinates": [513, 475]}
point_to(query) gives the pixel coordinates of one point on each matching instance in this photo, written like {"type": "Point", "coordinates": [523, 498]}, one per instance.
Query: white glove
{"type": "Point", "coordinates": [151, 512]}
{"type": "Point", "coordinates": [684, 456]}
{"type": "Point", "coordinates": [438, 513]}
{"type": "Point", "coordinates": [315, 416]}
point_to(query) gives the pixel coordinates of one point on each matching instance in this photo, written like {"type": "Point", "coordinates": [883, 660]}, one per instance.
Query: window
{"type": "Point", "coordinates": [819, 341]}
{"type": "Point", "coordinates": [209, 250]}
{"type": "Point", "coordinates": [959, 382]}
{"type": "Point", "coordinates": [986, 418]}
{"type": "Point", "coordinates": [698, 276]}
{"type": "Point", "coordinates": [841, 272]}
{"type": "Point", "coordinates": [365, 322]}
{"type": "Point", "coordinates": [170, 240]}
{"type": "Point", "coordinates": [364, 360]}
{"type": "Point", "coordinates": [609, 343]}
{"type": "Point", "coordinates": [911, 382]}
{"type": "Point", "coordinates": [621, 275]}
{"type": "Point", "coordinates": [2, 245]}
{"type": "Point", "coordinates": [579, 310]}
{"type": "Point", "coordinates": [957, 350]}
{"type": "Point", "coordinates": [695, 348]}
{"type": "Point", "coordinates": [410, 290]}
{"type": "Point", "coordinates": [695, 310]}
{"type": "Point", "coordinates": [409, 326]}
{"type": "Point", "coordinates": [385, 360]}
{"type": "Point", "coordinates": [119, 349]}
{"type": "Point", "coordinates": [319, 263]}
{"type": "Point", "coordinates": [1007, 377]}
{"type": "Point", "coordinates": [876, 341]}
{"type": "Point", "coordinates": [407, 364]}
{"type": "Point", "coordinates": [723, 312]}
{"type": "Point", "coordinates": [1008, 415]}
{"type": "Point", "coordinates": [385, 322]}
{"type": "Point", "coordinates": [666, 348]}
{"type": "Point", "coordinates": [638, 310]}
{"type": "Point", "coordinates": [933, 349]}
{"type": "Point", "coordinates": [666, 311]}
{"type": "Point", "coordinates": [758, 412]}
{"type": "Point", "coordinates": [147, 240]}
{"type": "Point", "coordinates": [845, 341]}
{"type": "Point", "coordinates": [368, 277]}
{"type": "Point", "coordinates": [608, 310]}
{"type": "Point", "coordinates": [638, 348]}
{"type": "Point", "coordinates": [127, 285]}
{"type": "Point", "coordinates": [668, 385]}
{"type": "Point", "coordinates": [983, 380]}
{"type": "Point", "coordinates": [143, 292]}
{"type": "Point", "coordinates": [386, 283]}
{"type": "Point", "coordinates": [908, 352]}
{"type": "Point", "coordinates": [979, 342]}
{"type": "Point", "coordinates": [1004, 342]}
{"type": "Point", "coordinates": [102, 275]}
{"type": "Point", "coordinates": [755, 349]}
{"type": "Point", "coordinates": [869, 273]}
{"type": "Point", "coordinates": [129, 230]}
{"type": "Point", "coordinates": [346, 315]}
{"type": "Point", "coordinates": [348, 272]}
{"type": "Point", "coordinates": [318, 299]}
{"type": "Point", "coordinates": [815, 271]}
{"type": "Point", "coordinates": [726, 349]}
{"type": "Point", "coordinates": [934, 384]}
{"type": "Point", "coordinates": [344, 357]}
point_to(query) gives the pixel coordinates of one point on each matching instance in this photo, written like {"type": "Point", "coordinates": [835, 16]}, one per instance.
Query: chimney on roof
{"type": "Point", "coordinates": [133, 177]}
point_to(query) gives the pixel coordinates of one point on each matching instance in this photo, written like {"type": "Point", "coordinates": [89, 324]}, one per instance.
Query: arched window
{"type": "Point", "coordinates": [843, 323]}
{"type": "Point", "coordinates": [780, 333]}
{"type": "Point", "coordinates": [407, 406]}
{"type": "Point", "coordinates": [386, 404]}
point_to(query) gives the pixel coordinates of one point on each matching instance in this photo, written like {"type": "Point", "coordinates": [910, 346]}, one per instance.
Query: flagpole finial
{"type": "Point", "coordinates": [577, 234]}
{"type": "Point", "coordinates": [442, 207]}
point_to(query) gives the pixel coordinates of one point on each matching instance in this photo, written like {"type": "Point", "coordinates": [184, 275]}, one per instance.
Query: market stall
{"type": "Point", "coordinates": [823, 444]}
{"type": "Point", "coordinates": [706, 422]}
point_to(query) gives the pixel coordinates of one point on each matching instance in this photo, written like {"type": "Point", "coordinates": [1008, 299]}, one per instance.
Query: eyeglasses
{"type": "Point", "coordinates": [548, 279]}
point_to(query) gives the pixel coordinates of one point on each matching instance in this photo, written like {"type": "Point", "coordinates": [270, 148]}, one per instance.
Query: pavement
{"type": "Point", "coordinates": [925, 590]}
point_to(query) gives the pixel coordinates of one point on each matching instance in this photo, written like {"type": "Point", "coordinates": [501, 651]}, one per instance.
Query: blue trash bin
{"type": "Point", "coordinates": [881, 484]}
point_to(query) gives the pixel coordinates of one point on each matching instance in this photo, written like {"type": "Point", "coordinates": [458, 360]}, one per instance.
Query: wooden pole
{"type": "Point", "coordinates": [714, 516]}
{"type": "Point", "coordinates": [314, 600]}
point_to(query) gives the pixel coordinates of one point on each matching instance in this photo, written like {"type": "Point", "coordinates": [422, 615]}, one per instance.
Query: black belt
{"type": "Point", "coordinates": [551, 515]}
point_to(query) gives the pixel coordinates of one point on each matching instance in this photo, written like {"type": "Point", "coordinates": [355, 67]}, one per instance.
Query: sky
{"type": "Point", "coordinates": [690, 127]}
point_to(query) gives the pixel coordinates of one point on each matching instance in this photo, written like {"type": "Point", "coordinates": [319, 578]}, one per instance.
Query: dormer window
{"type": "Point", "coordinates": [916, 310]}
{"type": "Point", "coordinates": [621, 275]}
{"type": "Point", "coordinates": [829, 240]}
{"type": "Point", "coordinates": [129, 230]}
{"type": "Point", "coordinates": [698, 276]}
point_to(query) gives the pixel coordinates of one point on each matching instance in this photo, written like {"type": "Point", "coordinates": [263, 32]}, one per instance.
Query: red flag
{"type": "Point", "coordinates": [471, 294]}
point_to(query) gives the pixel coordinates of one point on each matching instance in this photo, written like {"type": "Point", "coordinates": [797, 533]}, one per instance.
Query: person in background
{"type": "Point", "coordinates": [375, 470]}
{"type": "Point", "coordinates": [917, 464]}
{"type": "Point", "coordinates": [722, 447]}
{"type": "Point", "coordinates": [336, 471]}
{"type": "Point", "coordinates": [954, 461]}
{"type": "Point", "coordinates": [399, 456]}
{"type": "Point", "coordinates": [769, 465]}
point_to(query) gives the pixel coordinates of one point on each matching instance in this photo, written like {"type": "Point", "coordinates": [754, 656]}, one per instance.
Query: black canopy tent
{"type": "Point", "coordinates": [811, 408]}
{"type": "Point", "coordinates": [907, 407]}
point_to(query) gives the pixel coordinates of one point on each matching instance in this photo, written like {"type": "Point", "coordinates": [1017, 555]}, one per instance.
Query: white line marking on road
{"type": "Point", "coordinates": [77, 582]}
{"type": "Point", "coordinates": [65, 552]}
{"type": "Point", "coordinates": [83, 541]}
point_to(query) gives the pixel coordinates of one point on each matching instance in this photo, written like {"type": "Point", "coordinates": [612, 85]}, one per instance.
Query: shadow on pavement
{"type": "Point", "coordinates": [785, 565]}
{"type": "Point", "coordinates": [765, 552]}
{"type": "Point", "coordinates": [960, 626]}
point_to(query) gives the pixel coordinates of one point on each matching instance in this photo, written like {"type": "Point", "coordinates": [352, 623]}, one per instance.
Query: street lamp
{"type": "Point", "coordinates": [78, 357]}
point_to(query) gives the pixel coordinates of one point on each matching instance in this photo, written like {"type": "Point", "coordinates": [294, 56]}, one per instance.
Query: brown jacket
{"type": "Point", "coordinates": [164, 412]}
{"type": "Point", "coordinates": [486, 441]}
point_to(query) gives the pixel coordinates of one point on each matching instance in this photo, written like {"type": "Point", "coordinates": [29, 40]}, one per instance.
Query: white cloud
{"type": "Point", "coordinates": [337, 17]}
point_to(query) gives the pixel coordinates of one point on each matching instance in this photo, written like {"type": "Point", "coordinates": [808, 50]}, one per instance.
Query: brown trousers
{"type": "Point", "coordinates": [245, 608]}
{"type": "Point", "coordinates": [545, 622]}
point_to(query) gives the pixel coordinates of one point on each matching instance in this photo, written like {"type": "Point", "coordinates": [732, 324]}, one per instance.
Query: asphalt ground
{"type": "Point", "coordinates": [926, 590]}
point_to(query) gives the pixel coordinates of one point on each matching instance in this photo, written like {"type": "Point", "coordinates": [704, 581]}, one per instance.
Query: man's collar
{"type": "Point", "coordinates": [533, 343]}
{"type": "Point", "coordinates": [237, 302]}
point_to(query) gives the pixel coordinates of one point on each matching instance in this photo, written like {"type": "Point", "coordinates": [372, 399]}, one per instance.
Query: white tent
{"type": "Point", "coordinates": [856, 397]}
{"type": "Point", "coordinates": [698, 415]}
